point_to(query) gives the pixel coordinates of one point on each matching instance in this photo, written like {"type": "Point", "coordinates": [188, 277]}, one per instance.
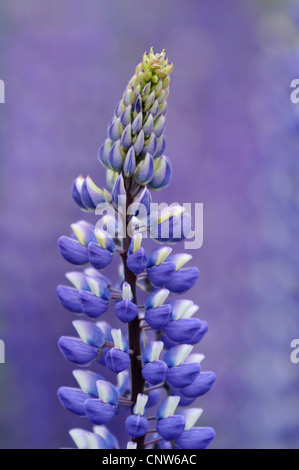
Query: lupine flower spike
{"type": "Point", "coordinates": [151, 349]}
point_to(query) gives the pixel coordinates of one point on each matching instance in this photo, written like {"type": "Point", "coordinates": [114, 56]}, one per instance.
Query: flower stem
{"type": "Point", "coordinates": [137, 385]}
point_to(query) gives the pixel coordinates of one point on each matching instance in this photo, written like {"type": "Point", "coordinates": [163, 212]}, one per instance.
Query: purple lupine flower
{"type": "Point", "coordinates": [133, 155]}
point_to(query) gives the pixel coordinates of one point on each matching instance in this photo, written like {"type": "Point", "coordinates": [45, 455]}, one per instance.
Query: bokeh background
{"type": "Point", "coordinates": [232, 135]}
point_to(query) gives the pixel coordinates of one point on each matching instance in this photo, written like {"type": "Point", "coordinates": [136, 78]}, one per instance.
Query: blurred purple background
{"type": "Point", "coordinates": [232, 135]}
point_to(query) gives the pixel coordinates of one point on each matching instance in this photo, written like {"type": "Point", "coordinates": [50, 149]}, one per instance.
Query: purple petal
{"type": "Point", "coordinates": [74, 350]}
{"type": "Point", "coordinates": [99, 257]}
{"type": "Point", "coordinates": [99, 412]}
{"type": "Point", "coordinates": [69, 297]}
{"type": "Point", "coordinates": [92, 305]}
{"type": "Point", "coordinates": [196, 438]}
{"type": "Point", "coordinates": [200, 386]}
{"type": "Point", "coordinates": [72, 251]}
{"type": "Point", "coordinates": [183, 280]}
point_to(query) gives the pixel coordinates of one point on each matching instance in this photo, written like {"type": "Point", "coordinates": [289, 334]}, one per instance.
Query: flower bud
{"type": "Point", "coordinates": [125, 117]}
{"type": "Point", "coordinates": [91, 195]}
{"type": "Point", "coordinates": [137, 123]}
{"type": "Point", "coordinates": [139, 142]}
{"type": "Point", "coordinates": [144, 170]}
{"type": "Point", "coordinates": [162, 174]}
{"type": "Point", "coordinates": [104, 153]}
{"type": "Point", "coordinates": [150, 145]}
{"type": "Point", "coordinates": [114, 130]}
{"type": "Point", "coordinates": [116, 156]}
{"type": "Point", "coordinates": [130, 163]}
{"type": "Point", "coordinates": [76, 192]}
{"type": "Point", "coordinates": [126, 138]}
{"type": "Point", "coordinates": [161, 147]}
{"type": "Point", "coordinates": [119, 192]}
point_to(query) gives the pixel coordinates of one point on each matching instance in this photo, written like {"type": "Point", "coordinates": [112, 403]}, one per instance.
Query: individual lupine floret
{"type": "Point", "coordinates": [137, 258]}
{"type": "Point", "coordinates": [162, 174]}
{"type": "Point", "coordinates": [183, 278]}
{"type": "Point", "coordinates": [101, 253]}
{"type": "Point", "coordinates": [102, 410]}
{"type": "Point", "coordinates": [126, 310]}
{"type": "Point", "coordinates": [143, 198]}
{"type": "Point", "coordinates": [154, 371]}
{"type": "Point", "coordinates": [73, 399]}
{"type": "Point", "coordinates": [171, 224]}
{"type": "Point", "coordinates": [83, 350]}
{"type": "Point", "coordinates": [145, 170]}
{"type": "Point", "coordinates": [69, 296]}
{"type": "Point", "coordinates": [119, 195]}
{"type": "Point", "coordinates": [160, 270]}
{"type": "Point", "coordinates": [95, 302]}
{"type": "Point", "coordinates": [192, 437]}
{"type": "Point", "coordinates": [182, 328]}
{"type": "Point", "coordinates": [117, 359]}
{"type": "Point", "coordinates": [157, 315]}
{"type": "Point", "coordinates": [167, 271]}
{"type": "Point", "coordinates": [200, 385]}
{"type": "Point", "coordinates": [136, 424]}
{"type": "Point", "coordinates": [75, 350]}
{"type": "Point", "coordinates": [169, 425]}
{"type": "Point", "coordinates": [181, 373]}
{"type": "Point", "coordinates": [74, 248]}
{"type": "Point", "coordinates": [88, 195]}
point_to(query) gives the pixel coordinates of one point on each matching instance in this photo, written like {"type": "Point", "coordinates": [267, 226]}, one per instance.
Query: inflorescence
{"type": "Point", "coordinates": [152, 360]}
